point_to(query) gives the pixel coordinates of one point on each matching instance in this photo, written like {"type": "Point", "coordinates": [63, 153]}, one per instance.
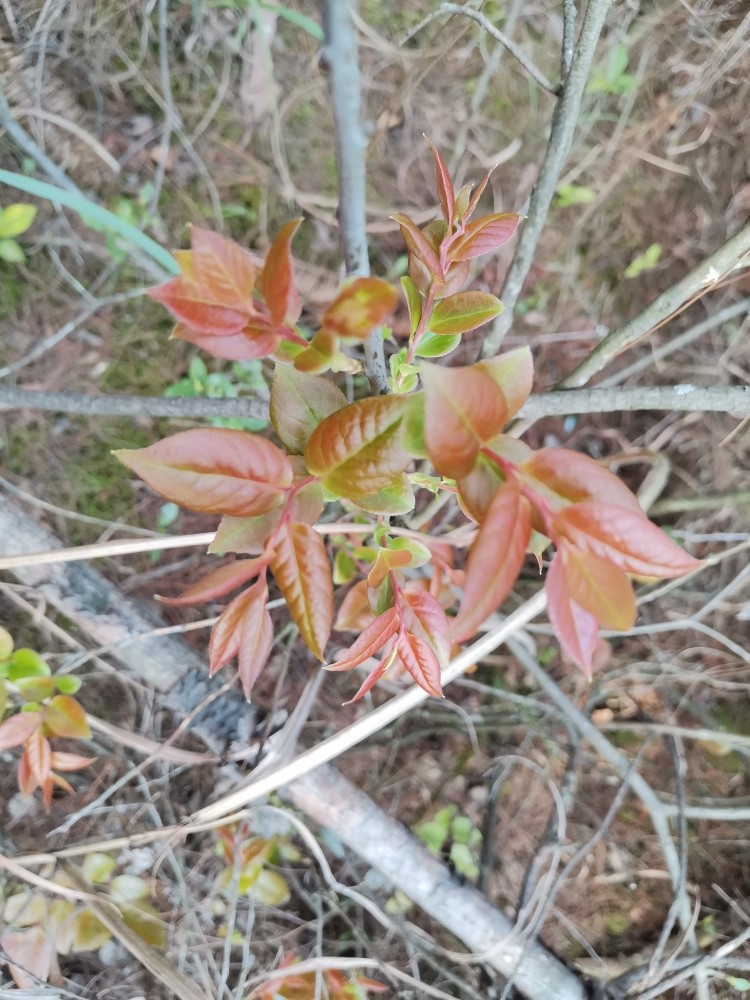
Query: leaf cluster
{"type": "Point", "coordinates": [441, 428]}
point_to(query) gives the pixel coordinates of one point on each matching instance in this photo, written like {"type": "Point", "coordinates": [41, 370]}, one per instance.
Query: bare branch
{"type": "Point", "coordinates": [564, 121]}
{"type": "Point", "coordinates": [341, 59]}
{"type": "Point", "coordinates": [686, 398]}
{"type": "Point", "coordinates": [515, 50]}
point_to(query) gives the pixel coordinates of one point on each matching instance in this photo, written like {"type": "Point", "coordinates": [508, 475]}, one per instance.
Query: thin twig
{"type": "Point", "coordinates": [342, 62]}
{"type": "Point", "coordinates": [515, 50]}
{"type": "Point", "coordinates": [564, 121]}
{"type": "Point", "coordinates": [697, 282]}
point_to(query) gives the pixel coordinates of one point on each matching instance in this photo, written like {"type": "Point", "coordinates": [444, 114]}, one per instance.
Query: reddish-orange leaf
{"type": "Point", "coordinates": [62, 761]}
{"type": "Point", "coordinates": [426, 618]}
{"type": "Point", "coordinates": [476, 490]}
{"type": "Point", "coordinates": [464, 408]}
{"type": "Point", "coordinates": [218, 582]}
{"type": "Point", "coordinates": [474, 200]}
{"type": "Point", "coordinates": [578, 478]}
{"type": "Point", "coordinates": [303, 573]}
{"type": "Point", "coordinates": [576, 628]}
{"type": "Point", "coordinates": [357, 450]}
{"type": "Point", "coordinates": [64, 716]}
{"type": "Point", "coordinates": [355, 613]}
{"type": "Point", "coordinates": [514, 373]}
{"type": "Point", "coordinates": [377, 672]}
{"type": "Point", "coordinates": [420, 660]}
{"type": "Point", "coordinates": [192, 306]}
{"type": "Point", "coordinates": [624, 537]}
{"type": "Point", "coordinates": [599, 587]}
{"type": "Point", "coordinates": [495, 559]}
{"type": "Point", "coordinates": [360, 306]}
{"type": "Point", "coordinates": [299, 402]}
{"type": "Point", "coordinates": [251, 342]}
{"type": "Point", "coordinates": [373, 638]}
{"type": "Point", "coordinates": [221, 268]}
{"type": "Point", "coordinates": [484, 236]}
{"type": "Point", "coordinates": [463, 312]}
{"type": "Point", "coordinates": [38, 755]}
{"type": "Point", "coordinates": [445, 191]}
{"type": "Point", "coordinates": [418, 245]}
{"type": "Point", "coordinates": [18, 728]}
{"type": "Point", "coordinates": [27, 783]}
{"type": "Point", "coordinates": [276, 280]}
{"type": "Point", "coordinates": [214, 471]}
{"type": "Point", "coordinates": [244, 630]}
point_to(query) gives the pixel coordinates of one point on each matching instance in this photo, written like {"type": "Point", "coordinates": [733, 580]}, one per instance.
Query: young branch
{"type": "Point", "coordinates": [698, 281]}
{"type": "Point", "coordinates": [564, 121]}
{"type": "Point", "coordinates": [340, 56]}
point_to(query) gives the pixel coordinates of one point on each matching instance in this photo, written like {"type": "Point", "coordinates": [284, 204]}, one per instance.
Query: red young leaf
{"type": "Point", "coordinates": [64, 716]}
{"type": "Point", "coordinates": [218, 582]}
{"type": "Point", "coordinates": [385, 561]}
{"type": "Point", "coordinates": [360, 306]}
{"type": "Point", "coordinates": [421, 662]}
{"type": "Point", "coordinates": [575, 628]}
{"type": "Point", "coordinates": [69, 761]}
{"type": "Point", "coordinates": [484, 236]}
{"type": "Point", "coordinates": [474, 200]}
{"type": "Point", "coordinates": [276, 280]}
{"type": "Point", "coordinates": [300, 565]}
{"type": "Point", "coordinates": [27, 783]}
{"type": "Point", "coordinates": [464, 408]}
{"type": "Point", "coordinates": [244, 630]}
{"type": "Point", "coordinates": [577, 478]}
{"type": "Point", "coordinates": [386, 662]}
{"type": "Point", "coordinates": [250, 342]}
{"type": "Point", "coordinates": [38, 755]}
{"type": "Point", "coordinates": [214, 471]}
{"type": "Point", "coordinates": [18, 728]}
{"type": "Point", "coordinates": [476, 490]}
{"type": "Point", "coordinates": [222, 269]}
{"type": "Point", "coordinates": [445, 190]}
{"type": "Point", "coordinates": [495, 559]}
{"type": "Point", "coordinates": [418, 245]}
{"type": "Point", "coordinates": [426, 618]}
{"type": "Point", "coordinates": [369, 642]}
{"type": "Point", "coordinates": [514, 373]}
{"type": "Point", "coordinates": [355, 613]}
{"type": "Point", "coordinates": [357, 450]}
{"type": "Point", "coordinates": [299, 402]}
{"type": "Point", "coordinates": [599, 587]}
{"type": "Point", "coordinates": [463, 312]}
{"type": "Point", "coordinates": [194, 307]}
{"type": "Point", "coordinates": [624, 537]}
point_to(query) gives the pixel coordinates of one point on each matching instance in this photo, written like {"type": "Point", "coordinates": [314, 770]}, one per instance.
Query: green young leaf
{"type": "Point", "coordinates": [6, 644]}
{"type": "Point", "coordinates": [573, 194]}
{"type": "Point", "coordinates": [299, 402]}
{"type": "Point", "coordinates": [11, 252]}
{"type": "Point", "coordinates": [344, 568]}
{"type": "Point", "coordinates": [413, 303]}
{"type": "Point", "coordinates": [433, 346]}
{"type": "Point", "coordinates": [64, 716]}
{"type": "Point", "coordinates": [412, 426]}
{"type": "Point", "coordinates": [463, 311]}
{"type": "Point", "coordinates": [514, 373]}
{"type": "Point", "coordinates": [16, 219]}
{"type": "Point", "coordinates": [396, 498]}
{"type": "Point", "coordinates": [97, 868]}
{"type": "Point", "coordinates": [647, 261]}
{"type": "Point", "coordinates": [27, 663]}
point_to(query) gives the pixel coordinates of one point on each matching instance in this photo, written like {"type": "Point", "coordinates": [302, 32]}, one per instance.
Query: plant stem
{"type": "Point", "coordinates": [564, 121]}
{"type": "Point", "coordinates": [341, 59]}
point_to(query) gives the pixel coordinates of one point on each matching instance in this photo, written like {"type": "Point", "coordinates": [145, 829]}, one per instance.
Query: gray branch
{"type": "Point", "coordinates": [341, 59]}
{"type": "Point", "coordinates": [564, 121]}
{"type": "Point", "coordinates": [685, 398]}
{"type": "Point", "coordinates": [696, 282]}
